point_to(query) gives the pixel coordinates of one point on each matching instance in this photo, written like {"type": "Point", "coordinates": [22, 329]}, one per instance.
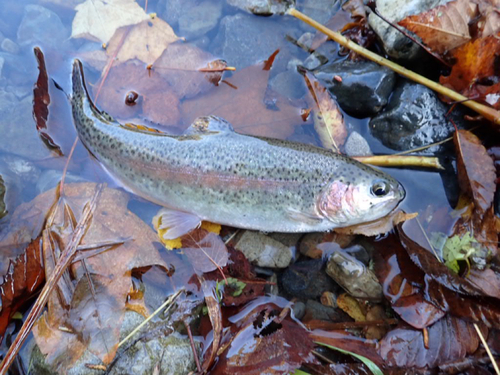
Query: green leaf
{"type": "Point", "coordinates": [300, 372]}
{"type": "Point", "coordinates": [455, 248]}
{"type": "Point", "coordinates": [367, 362]}
{"type": "Point", "coordinates": [236, 285]}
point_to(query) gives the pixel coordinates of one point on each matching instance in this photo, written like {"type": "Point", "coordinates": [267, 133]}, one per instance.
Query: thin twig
{"type": "Point", "coordinates": [193, 348]}
{"type": "Point", "coordinates": [169, 301]}
{"type": "Point", "coordinates": [488, 112]}
{"type": "Point", "coordinates": [61, 266]}
{"type": "Point", "coordinates": [401, 161]}
{"type": "Point", "coordinates": [485, 344]}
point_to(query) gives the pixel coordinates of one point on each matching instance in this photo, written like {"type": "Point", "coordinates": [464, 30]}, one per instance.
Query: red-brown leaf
{"type": "Point", "coordinates": [25, 276]}
{"type": "Point", "coordinates": [205, 250]}
{"type": "Point", "coordinates": [449, 339]}
{"type": "Point", "coordinates": [41, 101]}
{"type": "Point", "coordinates": [260, 344]}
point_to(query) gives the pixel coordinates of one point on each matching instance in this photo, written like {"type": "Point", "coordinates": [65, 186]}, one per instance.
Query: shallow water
{"type": "Point", "coordinates": [20, 141]}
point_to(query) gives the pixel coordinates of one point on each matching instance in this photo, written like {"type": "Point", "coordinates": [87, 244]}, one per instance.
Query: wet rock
{"type": "Point", "coordinates": [365, 87]}
{"type": "Point", "coordinates": [289, 84]}
{"type": "Point", "coordinates": [263, 7]}
{"type": "Point", "coordinates": [272, 286]}
{"type": "Point", "coordinates": [263, 251]}
{"type": "Point", "coordinates": [352, 275]}
{"type": "Point", "coordinates": [396, 44]}
{"type": "Point", "coordinates": [200, 19]}
{"type": "Point", "coordinates": [172, 10]}
{"type": "Point", "coordinates": [24, 169]}
{"type": "Point", "coordinates": [359, 252]}
{"type": "Point", "coordinates": [319, 10]}
{"type": "Point", "coordinates": [356, 145]}
{"type": "Point", "coordinates": [170, 353]}
{"type": "Point", "coordinates": [41, 26]}
{"type": "Point", "coordinates": [322, 55]}
{"type": "Point", "coordinates": [17, 128]}
{"type": "Point", "coordinates": [414, 117]}
{"type": "Point", "coordinates": [9, 46]}
{"type": "Point", "coordinates": [299, 309]}
{"type": "Point", "coordinates": [306, 280]}
{"type": "Point", "coordinates": [317, 311]}
{"type": "Point", "coordinates": [287, 239]}
{"type": "Point", "coordinates": [236, 41]}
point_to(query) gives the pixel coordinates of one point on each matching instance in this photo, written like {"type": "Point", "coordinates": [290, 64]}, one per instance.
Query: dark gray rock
{"type": "Point", "coordinates": [263, 7]}
{"type": "Point", "coordinates": [317, 311]}
{"type": "Point", "coordinates": [299, 309]}
{"type": "Point", "coordinates": [41, 26]}
{"type": "Point", "coordinates": [365, 86]}
{"type": "Point", "coordinates": [396, 44]}
{"type": "Point", "coordinates": [306, 280]}
{"type": "Point", "coordinates": [414, 117]}
{"type": "Point", "coordinates": [237, 43]}
{"type": "Point", "coordinates": [200, 19]}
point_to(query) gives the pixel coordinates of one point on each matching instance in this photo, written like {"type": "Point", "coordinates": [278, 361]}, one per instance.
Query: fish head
{"type": "Point", "coordinates": [369, 196]}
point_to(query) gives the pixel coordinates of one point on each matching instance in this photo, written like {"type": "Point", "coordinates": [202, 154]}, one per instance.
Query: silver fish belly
{"type": "Point", "coordinates": [213, 173]}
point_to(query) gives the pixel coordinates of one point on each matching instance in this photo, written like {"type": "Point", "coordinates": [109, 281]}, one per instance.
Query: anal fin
{"type": "Point", "coordinates": [178, 223]}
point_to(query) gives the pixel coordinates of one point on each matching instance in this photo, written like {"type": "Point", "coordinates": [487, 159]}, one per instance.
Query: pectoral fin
{"type": "Point", "coordinates": [304, 217]}
{"type": "Point", "coordinates": [178, 223]}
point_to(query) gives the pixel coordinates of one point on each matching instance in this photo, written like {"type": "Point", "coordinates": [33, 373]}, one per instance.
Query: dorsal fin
{"type": "Point", "coordinates": [209, 124]}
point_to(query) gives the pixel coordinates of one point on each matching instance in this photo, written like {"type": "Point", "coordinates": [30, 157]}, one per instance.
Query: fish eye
{"type": "Point", "coordinates": [380, 188]}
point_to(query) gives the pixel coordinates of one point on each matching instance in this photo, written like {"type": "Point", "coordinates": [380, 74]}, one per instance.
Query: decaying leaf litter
{"type": "Point", "coordinates": [460, 275]}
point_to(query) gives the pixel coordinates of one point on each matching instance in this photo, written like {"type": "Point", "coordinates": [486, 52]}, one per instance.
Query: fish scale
{"type": "Point", "coordinates": [218, 175]}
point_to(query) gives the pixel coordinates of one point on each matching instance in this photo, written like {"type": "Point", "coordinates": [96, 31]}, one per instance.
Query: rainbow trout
{"type": "Point", "coordinates": [213, 173]}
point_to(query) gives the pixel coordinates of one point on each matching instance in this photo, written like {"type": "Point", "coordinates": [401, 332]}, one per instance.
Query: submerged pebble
{"type": "Point", "coordinates": [263, 251]}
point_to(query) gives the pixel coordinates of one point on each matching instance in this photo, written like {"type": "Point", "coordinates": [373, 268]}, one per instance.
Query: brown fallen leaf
{"type": "Point", "coordinates": [445, 27]}
{"type": "Point", "coordinates": [489, 20]}
{"type": "Point", "coordinates": [449, 339]}
{"type": "Point", "coordinates": [41, 101]}
{"type": "Point", "coordinates": [144, 41]}
{"type": "Point", "coordinates": [215, 315]}
{"type": "Point", "coordinates": [380, 226]}
{"type": "Point", "coordinates": [328, 120]}
{"type": "Point", "coordinates": [258, 344]}
{"type": "Point", "coordinates": [156, 102]}
{"type": "Point", "coordinates": [475, 73]}
{"type": "Point", "coordinates": [88, 320]}
{"type": "Point", "coordinates": [99, 19]}
{"type": "Point", "coordinates": [476, 178]}
{"type": "Point", "coordinates": [242, 104]}
{"type": "Point", "coordinates": [180, 65]}
{"type": "Point", "coordinates": [206, 250]}
{"type": "Point", "coordinates": [25, 277]}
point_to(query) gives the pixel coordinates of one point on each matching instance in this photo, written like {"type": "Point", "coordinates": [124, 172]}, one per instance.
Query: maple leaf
{"type": "Point", "coordinates": [181, 65]}
{"type": "Point", "coordinates": [243, 104]}
{"type": "Point", "coordinates": [445, 27]}
{"type": "Point", "coordinates": [144, 41]}
{"type": "Point", "coordinates": [475, 74]}
{"type": "Point", "coordinates": [99, 19]}
{"type": "Point", "coordinates": [156, 100]}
